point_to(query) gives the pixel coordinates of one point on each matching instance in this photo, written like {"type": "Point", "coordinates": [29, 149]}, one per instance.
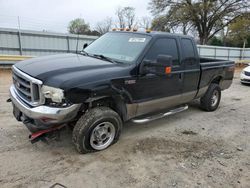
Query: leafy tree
{"type": "Point", "coordinates": [78, 26]}
{"type": "Point", "coordinates": [208, 17]}
{"type": "Point", "coordinates": [160, 24]}
{"type": "Point", "coordinates": [239, 31]}
{"type": "Point", "coordinates": [215, 41]}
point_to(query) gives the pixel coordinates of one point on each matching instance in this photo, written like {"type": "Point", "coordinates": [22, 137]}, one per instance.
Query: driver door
{"type": "Point", "coordinates": [156, 92]}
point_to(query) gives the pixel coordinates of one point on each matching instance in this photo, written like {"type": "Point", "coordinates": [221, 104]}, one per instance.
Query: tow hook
{"type": "Point", "coordinates": [44, 134]}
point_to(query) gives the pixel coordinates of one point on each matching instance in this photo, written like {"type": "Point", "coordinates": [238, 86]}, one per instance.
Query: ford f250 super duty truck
{"type": "Point", "coordinates": [121, 76]}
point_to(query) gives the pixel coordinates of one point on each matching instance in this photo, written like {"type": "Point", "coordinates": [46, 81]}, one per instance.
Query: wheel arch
{"type": "Point", "coordinates": [116, 103]}
{"type": "Point", "coordinates": [216, 80]}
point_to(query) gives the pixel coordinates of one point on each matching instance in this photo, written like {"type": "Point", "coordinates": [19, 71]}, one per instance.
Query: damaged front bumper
{"type": "Point", "coordinates": [41, 117]}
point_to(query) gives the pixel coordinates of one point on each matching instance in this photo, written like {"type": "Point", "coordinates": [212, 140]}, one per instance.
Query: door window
{"type": "Point", "coordinates": [164, 46]}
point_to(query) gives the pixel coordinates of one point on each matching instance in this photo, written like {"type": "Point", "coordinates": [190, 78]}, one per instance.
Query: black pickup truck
{"type": "Point", "coordinates": [121, 76]}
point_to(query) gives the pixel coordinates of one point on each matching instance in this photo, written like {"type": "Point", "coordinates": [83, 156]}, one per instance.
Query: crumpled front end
{"type": "Point", "coordinates": [29, 104]}
{"type": "Point", "coordinates": [41, 117]}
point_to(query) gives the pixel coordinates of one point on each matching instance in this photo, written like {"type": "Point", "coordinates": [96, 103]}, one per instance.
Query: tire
{"type": "Point", "coordinates": [91, 129]}
{"type": "Point", "coordinates": [211, 100]}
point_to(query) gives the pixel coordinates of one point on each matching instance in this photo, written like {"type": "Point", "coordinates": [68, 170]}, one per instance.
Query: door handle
{"type": "Point", "coordinates": [181, 76]}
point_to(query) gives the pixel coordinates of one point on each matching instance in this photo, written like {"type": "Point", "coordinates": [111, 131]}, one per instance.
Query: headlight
{"type": "Point", "coordinates": [55, 94]}
{"type": "Point", "coordinates": [243, 72]}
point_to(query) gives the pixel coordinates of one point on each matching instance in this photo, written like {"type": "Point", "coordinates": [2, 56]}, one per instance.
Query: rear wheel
{"type": "Point", "coordinates": [211, 100]}
{"type": "Point", "coordinates": [96, 130]}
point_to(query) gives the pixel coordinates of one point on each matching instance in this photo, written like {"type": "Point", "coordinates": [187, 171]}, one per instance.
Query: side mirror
{"type": "Point", "coordinates": [164, 60]}
{"type": "Point", "coordinates": [162, 66]}
{"type": "Point", "coordinates": [85, 45]}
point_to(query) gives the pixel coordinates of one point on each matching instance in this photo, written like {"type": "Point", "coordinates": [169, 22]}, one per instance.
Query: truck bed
{"type": "Point", "coordinates": [216, 69]}
{"type": "Point", "coordinates": [211, 60]}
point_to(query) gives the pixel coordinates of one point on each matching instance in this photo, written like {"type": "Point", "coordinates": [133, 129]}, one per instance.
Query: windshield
{"type": "Point", "coordinates": [122, 47]}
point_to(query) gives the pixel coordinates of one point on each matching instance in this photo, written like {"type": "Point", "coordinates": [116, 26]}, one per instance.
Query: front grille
{"type": "Point", "coordinates": [247, 73]}
{"type": "Point", "coordinates": [27, 87]}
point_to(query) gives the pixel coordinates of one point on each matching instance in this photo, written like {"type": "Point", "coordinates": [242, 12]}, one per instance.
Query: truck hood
{"type": "Point", "coordinates": [70, 70]}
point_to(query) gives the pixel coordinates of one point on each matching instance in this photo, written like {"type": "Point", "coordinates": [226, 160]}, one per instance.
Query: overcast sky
{"type": "Point", "coordinates": [54, 15]}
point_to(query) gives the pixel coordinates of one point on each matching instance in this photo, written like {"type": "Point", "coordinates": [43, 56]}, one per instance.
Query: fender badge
{"type": "Point", "coordinates": [130, 82]}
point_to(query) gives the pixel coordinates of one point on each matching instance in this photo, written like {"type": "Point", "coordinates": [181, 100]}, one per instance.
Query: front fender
{"type": "Point", "coordinates": [81, 95]}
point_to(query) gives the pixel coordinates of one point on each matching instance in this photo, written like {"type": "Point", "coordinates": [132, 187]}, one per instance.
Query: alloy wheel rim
{"type": "Point", "coordinates": [102, 135]}
{"type": "Point", "coordinates": [215, 98]}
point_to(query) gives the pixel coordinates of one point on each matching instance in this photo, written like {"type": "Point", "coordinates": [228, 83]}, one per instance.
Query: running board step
{"type": "Point", "coordinates": [161, 115]}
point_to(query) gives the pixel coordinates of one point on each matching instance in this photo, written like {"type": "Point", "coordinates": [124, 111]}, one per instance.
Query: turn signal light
{"type": "Point", "coordinates": [168, 70]}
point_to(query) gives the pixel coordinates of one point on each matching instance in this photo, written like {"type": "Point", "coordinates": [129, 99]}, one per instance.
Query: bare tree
{"type": "Point", "coordinates": [208, 17]}
{"type": "Point", "coordinates": [145, 22]}
{"type": "Point", "coordinates": [126, 17]}
{"type": "Point", "coordinates": [104, 26]}
{"type": "Point", "coordinates": [120, 15]}
{"type": "Point", "coordinates": [129, 15]}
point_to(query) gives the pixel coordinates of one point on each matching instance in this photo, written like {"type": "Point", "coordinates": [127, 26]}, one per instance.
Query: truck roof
{"type": "Point", "coordinates": [155, 33]}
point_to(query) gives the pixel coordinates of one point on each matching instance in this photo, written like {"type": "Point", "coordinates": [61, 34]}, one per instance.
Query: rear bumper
{"type": "Point", "coordinates": [43, 116]}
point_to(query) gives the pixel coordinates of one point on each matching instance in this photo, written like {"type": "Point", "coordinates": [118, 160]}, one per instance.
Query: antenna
{"type": "Point", "coordinates": [77, 42]}
{"type": "Point", "coordinates": [18, 20]}
{"type": "Point", "coordinates": [19, 36]}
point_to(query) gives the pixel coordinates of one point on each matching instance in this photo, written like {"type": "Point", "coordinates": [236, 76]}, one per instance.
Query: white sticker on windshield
{"type": "Point", "coordinates": [136, 39]}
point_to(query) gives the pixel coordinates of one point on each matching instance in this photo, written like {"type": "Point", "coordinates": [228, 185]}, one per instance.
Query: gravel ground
{"type": "Point", "coordinates": [189, 149]}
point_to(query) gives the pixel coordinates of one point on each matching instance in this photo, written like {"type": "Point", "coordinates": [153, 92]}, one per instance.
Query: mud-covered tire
{"type": "Point", "coordinates": [85, 126]}
{"type": "Point", "coordinates": [211, 100]}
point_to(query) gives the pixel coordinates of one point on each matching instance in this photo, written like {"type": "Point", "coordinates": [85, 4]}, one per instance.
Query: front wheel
{"type": "Point", "coordinates": [211, 100]}
{"type": "Point", "coordinates": [96, 130]}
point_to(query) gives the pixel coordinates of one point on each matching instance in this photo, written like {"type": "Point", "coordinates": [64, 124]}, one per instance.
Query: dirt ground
{"type": "Point", "coordinates": [189, 149]}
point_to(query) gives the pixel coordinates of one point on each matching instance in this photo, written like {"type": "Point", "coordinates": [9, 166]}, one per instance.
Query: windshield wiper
{"type": "Point", "coordinates": [83, 53]}
{"type": "Point", "coordinates": [104, 57]}
{"type": "Point", "coordinates": [99, 56]}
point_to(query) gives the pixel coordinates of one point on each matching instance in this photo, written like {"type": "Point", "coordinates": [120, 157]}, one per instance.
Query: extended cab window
{"type": "Point", "coordinates": [164, 46]}
{"type": "Point", "coordinates": [188, 51]}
